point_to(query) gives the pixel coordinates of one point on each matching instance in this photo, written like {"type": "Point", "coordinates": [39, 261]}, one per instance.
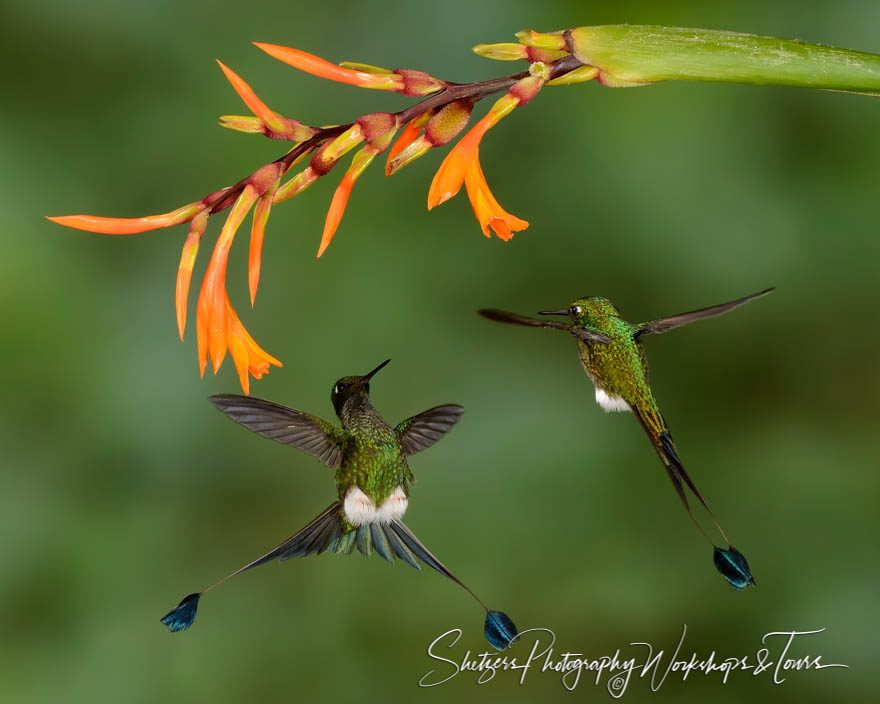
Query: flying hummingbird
{"type": "Point", "coordinates": [611, 352]}
{"type": "Point", "coordinates": [372, 480]}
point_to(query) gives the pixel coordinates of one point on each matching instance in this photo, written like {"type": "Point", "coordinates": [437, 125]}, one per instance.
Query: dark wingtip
{"type": "Point", "coordinates": [182, 616]}
{"type": "Point", "coordinates": [499, 629]}
{"type": "Point", "coordinates": [732, 565]}
{"type": "Point", "coordinates": [223, 401]}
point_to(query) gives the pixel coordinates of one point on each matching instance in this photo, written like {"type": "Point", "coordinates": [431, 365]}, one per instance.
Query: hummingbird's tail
{"type": "Point", "coordinates": [657, 430]}
{"type": "Point", "coordinates": [730, 562]}
{"type": "Point", "coordinates": [329, 532]}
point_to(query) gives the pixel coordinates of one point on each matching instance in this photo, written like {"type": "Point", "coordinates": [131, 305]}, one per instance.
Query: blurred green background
{"type": "Point", "coordinates": [121, 489]}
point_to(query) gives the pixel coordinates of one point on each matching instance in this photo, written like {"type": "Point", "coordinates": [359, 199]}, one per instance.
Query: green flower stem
{"type": "Point", "coordinates": [640, 54]}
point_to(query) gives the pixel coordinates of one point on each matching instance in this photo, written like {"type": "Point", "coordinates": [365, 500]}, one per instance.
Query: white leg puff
{"type": "Point", "coordinates": [358, 508]}
{"type": "Point", "coordinates": [611, 404]}
{"type": "Point", "coordinates": [393, 507]}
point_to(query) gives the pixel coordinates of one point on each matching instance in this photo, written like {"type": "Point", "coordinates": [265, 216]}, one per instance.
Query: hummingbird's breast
{"type": "Point", "coordinates": [373, 476]}
{"type": "Point", "coordinates": [616, 370]}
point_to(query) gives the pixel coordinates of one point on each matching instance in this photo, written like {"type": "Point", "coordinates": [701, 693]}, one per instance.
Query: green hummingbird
{"type": "Point", "coordinates": [372, 481]}
{"type": "Point", "coordinates": [611, 352]}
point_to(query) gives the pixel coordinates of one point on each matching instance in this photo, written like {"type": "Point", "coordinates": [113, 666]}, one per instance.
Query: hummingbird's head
{"type": "Point", "coordinates": [587, 311]}
{"type": "Point", "coordinates": [351, 388]}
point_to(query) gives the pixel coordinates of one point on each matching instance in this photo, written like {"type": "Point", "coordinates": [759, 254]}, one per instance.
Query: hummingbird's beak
{"type": "Point", "coordinates": [552, 312]}
{"type": "Point", "coordinates": [370, 375]}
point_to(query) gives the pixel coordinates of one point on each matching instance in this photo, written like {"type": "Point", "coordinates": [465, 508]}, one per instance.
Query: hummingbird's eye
{"type": "Point", "coordinates": [339, 388]}
{"type": "Point", "coordinates": [575, 310]}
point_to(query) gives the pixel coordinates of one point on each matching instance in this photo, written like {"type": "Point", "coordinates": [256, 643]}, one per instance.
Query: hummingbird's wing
{"type": "Point", "coordinates": [655, 327]}
{"type": "Point", "coordinates": [288, 426]}
{"type": "Point", "coordinates": [503, 316]}
{"type": "Point", "coordinates": [422, 431]}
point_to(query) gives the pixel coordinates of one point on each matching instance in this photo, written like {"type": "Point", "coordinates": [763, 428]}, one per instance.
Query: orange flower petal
{"type": "Point", "coordinates": [257, 106]}
{"type": "Point", "coordinates": [246, 354]}
{"type": "Point", "coordinates": [335, 211]}
{"type": "Point", "coordinates": [409, 134]}
{"type": "Point", "coordinates": [238, 351]}
{"type": "Point", "coordinates": [487, 210]}
{"type": "Point", "coordinates": [211, 313]}
{"type": "Point", "coordinates": [319, 67]}
{"type": "Point", "coordinates": [360, 162]}
{"type": "Point", "coordinates": [450, 176]}
{"type": "Point", "coordinates": [185, 269]}
{"type": "Point", "coordinates": [129, 226]}
{"type": "Point", "coordinates": [258, 230]}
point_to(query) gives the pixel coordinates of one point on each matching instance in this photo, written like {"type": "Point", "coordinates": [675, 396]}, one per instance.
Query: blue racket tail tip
{"type": "Point", "coordinates": [182, 616]}
{"type": "Point", "coordinates": [732, 565]}
{"type": "Point", "coordinates": [500, 630]}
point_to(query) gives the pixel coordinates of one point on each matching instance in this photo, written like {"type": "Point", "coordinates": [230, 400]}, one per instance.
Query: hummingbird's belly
{"type": "Point", "coordinates": [360, 510]}
{"type": "Point", "coordinates": [611, 404]}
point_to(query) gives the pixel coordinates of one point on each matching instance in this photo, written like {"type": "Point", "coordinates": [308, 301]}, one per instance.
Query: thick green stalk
{"type": "Point", "coordinates": [639, 54]}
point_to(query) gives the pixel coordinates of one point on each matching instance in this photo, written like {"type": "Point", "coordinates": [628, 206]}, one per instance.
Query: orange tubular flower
{"type": "Point", "coordinates": [130, 226]}
{"type": "Point", "coordinates": [187, 262]}
{"type": "Point", "coordinates": [450, 176]}
{"type": "Point", "coordinates": [430, 123]}
{"type": "Point", "coordinates": [276, 125]}
{"type": "Point", "coordinates": [462, 163]}
{"type": "Point", "coordinates": [324, 69]}
{"type": "Point", "coordinates": [246, 354]}
{"type": "Point", "coordinates": [360, 162]}
{"type": "Point", "coordinates": [487, 210]}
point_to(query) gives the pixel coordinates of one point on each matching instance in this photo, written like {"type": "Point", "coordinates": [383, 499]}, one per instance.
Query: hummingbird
{"type": "Point", "coordinates": [372, 480]}
{"type": "Point", "coordinates": [612, 354]}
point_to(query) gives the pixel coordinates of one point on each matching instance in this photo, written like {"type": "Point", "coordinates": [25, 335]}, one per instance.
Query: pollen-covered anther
{"type": "Point", "coordinates": [418, 83]}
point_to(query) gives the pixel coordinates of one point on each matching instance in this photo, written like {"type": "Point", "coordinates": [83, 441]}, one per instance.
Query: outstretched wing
{"type": "Point", "coordinates": [655, 327]}
{"type": "Point", "coordinates": [423, 430]}
{"type": "Point", "coordinates": [502, 316]}
{"type": "Point", "coordinates": [288, 426]}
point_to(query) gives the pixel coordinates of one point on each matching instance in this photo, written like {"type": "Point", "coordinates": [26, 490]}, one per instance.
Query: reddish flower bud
{"type": "Point", "coordinates": [418, 83]}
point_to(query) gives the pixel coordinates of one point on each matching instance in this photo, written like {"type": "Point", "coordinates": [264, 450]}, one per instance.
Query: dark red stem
{"type": "Point", "coordinates": [454, 91]}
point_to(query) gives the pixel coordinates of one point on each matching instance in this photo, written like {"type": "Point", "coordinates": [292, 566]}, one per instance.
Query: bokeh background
{"type": "Point", "coordinates": [121, 489]}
